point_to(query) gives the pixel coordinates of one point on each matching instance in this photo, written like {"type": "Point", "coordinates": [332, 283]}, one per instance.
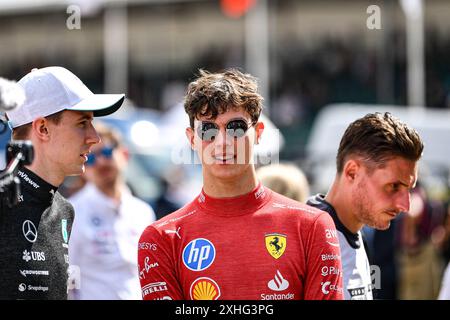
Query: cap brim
{"type": "Point", "coordinates": [100, 104]}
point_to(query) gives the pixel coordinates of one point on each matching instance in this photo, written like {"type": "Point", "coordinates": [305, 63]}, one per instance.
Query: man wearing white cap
{"type": "Point", "coordinates": [57, 117]}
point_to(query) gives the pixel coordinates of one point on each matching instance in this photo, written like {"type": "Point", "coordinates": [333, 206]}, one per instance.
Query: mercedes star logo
{"type": "Point", "coordinates": [29, 231]}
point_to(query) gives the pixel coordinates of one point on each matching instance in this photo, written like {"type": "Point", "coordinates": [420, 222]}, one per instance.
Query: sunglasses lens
{"type": "Point", "coordinates": [107, 152]}
{"type": "Point", "coordinates": [207, 131]}
{"type": "Point", "coordinates": [90, 159]}
{"type": "Point", "coordinates": [237, 128]}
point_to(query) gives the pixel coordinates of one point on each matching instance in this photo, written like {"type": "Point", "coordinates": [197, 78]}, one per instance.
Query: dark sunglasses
{"type": "Point", "coordinates": [105, 152]}
{"type": "Point", "coordinates": [208, 131]}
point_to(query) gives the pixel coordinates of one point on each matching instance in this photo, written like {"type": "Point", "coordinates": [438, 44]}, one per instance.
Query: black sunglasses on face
{"type": "Point", "coordinates": [207, 131]}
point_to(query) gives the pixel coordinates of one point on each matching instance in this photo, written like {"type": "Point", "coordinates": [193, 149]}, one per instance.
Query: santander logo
{"type": "Point", "coordinates": [278, 283]}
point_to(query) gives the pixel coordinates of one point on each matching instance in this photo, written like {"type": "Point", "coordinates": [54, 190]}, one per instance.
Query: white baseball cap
{"type": "Point", "coordinates": [53, 89]}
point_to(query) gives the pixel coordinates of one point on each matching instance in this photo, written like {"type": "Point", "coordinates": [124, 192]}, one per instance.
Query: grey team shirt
{"type": "Point", "coordinates": [34, 238]}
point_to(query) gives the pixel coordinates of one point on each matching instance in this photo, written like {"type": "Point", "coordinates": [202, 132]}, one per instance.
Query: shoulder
{"type": "Point", "coordinates": [306, 217]}
{"type": "Point", "coordinates": [138, 203]}
{"type": "Point", "coordinates": [59, 199]}
{"type": "Point", "coordinates": [139, 209]}
{"type": "Point", "coordinates": [283, 203]}
{"type": "Point", "coordinates": [63, 206]}
{"type": "Point", "coordinates": [184, 215]}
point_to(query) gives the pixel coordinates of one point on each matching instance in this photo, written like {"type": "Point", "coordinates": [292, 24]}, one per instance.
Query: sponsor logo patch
{"type": "Point", "coordinates": [276, 244]}
{"type": "Point", "coordinates": [23, 287]}
{"type": "Point", "coordinates": [176, 232]}
{"type": "Point", "coordinates": [355, 292]}
{"type": "Point", "coordinates": [65, 234]}
{"type": "Point", "coordinates": [147, 267]}
{"type": "Point", "coordinates": [327, 287]}
{"type": "Point", "coordinates": [154, 287]}
{"type": "Point", "coordinates": [204, 289]}
{"type": "Point", "coordinates": [33, 255]}
{"type": "Point", "coordinates": [147, 246]}
{"type": "Point", "coordinates": [34, 272]}
{"type": "Point", "coordinates": [332, 234]}
{"type": "Point", "coordinates": [199, 254]}
{"type": "Point", "coordinates": [29, 231]}
{"type": "Point", "coordinates": [278, 283]}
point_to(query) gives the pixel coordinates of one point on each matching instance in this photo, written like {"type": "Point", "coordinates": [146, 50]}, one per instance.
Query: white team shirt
{"type": "Point", "coordinates": [103, 244]}
{"type": "Point", "coordinates": [444, 294]}
{"type": "Point", "coordinates": [356, 279]}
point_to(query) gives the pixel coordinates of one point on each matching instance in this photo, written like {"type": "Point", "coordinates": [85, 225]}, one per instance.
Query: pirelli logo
{"type": "Point", "coordinates": [153, 287]}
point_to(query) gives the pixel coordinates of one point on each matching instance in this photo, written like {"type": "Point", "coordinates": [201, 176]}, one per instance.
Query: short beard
{"type": "Point", "coordinates": [364, 209]}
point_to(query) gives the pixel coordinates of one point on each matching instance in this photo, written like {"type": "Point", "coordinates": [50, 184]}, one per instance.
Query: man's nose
{"type": "Point", "coordinates": [92, 136]}
{"type": "Point", "coordinates": [403, 201]}
{"type": "Point", "coordinates": [222, 140]}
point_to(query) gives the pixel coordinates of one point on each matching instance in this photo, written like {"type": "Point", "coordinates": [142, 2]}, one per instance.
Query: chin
{"type": "Point", "coordinates": [76, 171]}
{"type": "Point", "coordinates": [225, 172]}
{"type": "Point", "coordinates": [381, 226]}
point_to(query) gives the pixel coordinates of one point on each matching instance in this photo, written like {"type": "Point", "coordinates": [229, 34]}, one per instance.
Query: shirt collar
{"type": "Point", "coordinates": [102, 198]}
{"type": "Point", "coordinates": [235, 206]}
{"type": "Point", "coordinates": [35, 185]}
{"type": "Point", "coordinates": [319, 202]}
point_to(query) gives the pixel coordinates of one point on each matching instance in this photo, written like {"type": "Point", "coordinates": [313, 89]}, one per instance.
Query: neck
{"type": "Point", "coordinates": [46, 173]}
{"type": "Point", "coordinates": [226, 188]}
{"type": "Point", "coordinates": [340, 199]}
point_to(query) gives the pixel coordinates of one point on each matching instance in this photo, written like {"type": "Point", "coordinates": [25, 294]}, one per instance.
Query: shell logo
{"type": "Point", "coordinates": [204, 289]}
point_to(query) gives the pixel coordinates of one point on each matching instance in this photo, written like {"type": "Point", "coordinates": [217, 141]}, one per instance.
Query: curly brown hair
{"type": "Point", "coordinates": [212, 94]}
{"type": "Point", "coordinates": [377, 138]}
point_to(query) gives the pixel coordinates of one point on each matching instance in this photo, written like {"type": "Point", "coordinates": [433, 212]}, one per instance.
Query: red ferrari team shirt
{"type": "Point", "coordinates": [258, 246]}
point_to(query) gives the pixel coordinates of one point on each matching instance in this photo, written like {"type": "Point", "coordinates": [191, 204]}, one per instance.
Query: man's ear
{"type": "Point", "coordinates": [190, 136]}
{"type": "Point", "coordinates": [40, 129]}
{"type": "Point", "coordinates": [259, 129]}
{"type": "Point", "coordinates": [351, 170]}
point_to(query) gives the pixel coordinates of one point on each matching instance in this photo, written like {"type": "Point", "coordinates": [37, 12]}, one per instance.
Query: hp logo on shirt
{"type": "Point", "coordinates": [199, 254]}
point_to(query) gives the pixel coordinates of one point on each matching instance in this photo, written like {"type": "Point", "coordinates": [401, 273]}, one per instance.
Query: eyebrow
{"type": "Point", "coordinates": [404, 184]}
{"type": "Point", "coordinates": [86, 117]}
{"type": "Point", "coordinates": [232, 119]}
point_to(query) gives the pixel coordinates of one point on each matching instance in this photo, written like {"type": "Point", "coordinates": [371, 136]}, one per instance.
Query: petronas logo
{"type": "Point", "coordinates": [65, 234]}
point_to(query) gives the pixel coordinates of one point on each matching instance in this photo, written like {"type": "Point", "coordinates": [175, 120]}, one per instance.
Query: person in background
{"type": "Point", "coordinates": [444, 293]}
{"type": "Point", "coordinates": [419, 236]}
{"type": "Point", "coordinates": [57, 118]}
{"type": "Point", "coordinates": [108, 223]}
{"type": "Point", "coordinates": [163, 204]}
{"type": "Point", "coordinates": [377, 165]}
{"type": "Point", "coordinates": [285, 179]}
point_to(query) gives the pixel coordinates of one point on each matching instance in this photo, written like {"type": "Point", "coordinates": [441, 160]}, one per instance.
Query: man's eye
{"type": "Point", "coordinates": [209, 134]}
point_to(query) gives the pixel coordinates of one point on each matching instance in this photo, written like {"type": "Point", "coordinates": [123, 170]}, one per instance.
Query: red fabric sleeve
{"type": "Point", "coordinates": [157, 273]}
{"type": "Point", "coordinates": [323, 256]}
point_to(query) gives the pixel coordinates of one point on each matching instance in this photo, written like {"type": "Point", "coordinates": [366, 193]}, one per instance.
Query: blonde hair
{"type": "Point", "coordinates": [285, 179]}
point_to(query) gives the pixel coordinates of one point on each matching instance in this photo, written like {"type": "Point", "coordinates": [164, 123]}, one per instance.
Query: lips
{"type": "Point", "coordinates": [392, 213]}
{"type": "Point", "coordinates": [85, 155]}
{"type": "Point", "coordinates": [224, 158]}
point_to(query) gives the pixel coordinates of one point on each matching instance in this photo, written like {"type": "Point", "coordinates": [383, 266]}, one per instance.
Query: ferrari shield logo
{"type": "Point", "coordinates": [276, 244]}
